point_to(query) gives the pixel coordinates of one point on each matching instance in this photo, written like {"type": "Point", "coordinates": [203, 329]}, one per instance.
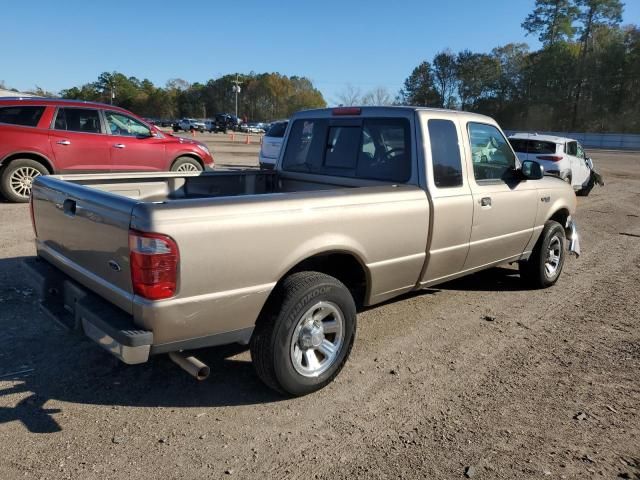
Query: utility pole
{"type": "Point", "coordinates": [236, 89]}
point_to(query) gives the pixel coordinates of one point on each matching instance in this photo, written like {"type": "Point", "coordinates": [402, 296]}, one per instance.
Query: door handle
{"type": "Point", "coordinates": [119, 145]}
{"type": "Point", "coordinates": [485, 202]}
{"type": "Point", "coordinates": [63, 142]}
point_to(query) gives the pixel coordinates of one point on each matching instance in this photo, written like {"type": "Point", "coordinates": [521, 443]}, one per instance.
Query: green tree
{"type": "Point", "coordinates": [593, 14]}
{"type": "Point", "coordinates": [477, 77]}
{"type": "Point", "coordinates": [445, 77]}
{"type": "Point", "coordinates": [552, 20]}
{"type": "Point", "coordinates": [419, 88]}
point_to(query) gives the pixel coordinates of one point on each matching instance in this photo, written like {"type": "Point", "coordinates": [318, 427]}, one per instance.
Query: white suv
{"type": "Point", "coordinates": [559, 156]}
{"type": "Point", "coordinates": [271, 144]}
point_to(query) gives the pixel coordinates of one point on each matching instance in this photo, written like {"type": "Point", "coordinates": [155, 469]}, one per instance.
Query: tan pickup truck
{"type": "Point", "coordinates": [364, 204]}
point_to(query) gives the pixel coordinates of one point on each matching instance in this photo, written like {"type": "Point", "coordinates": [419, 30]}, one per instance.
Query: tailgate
{"type": "Point", "coordinates": [85, 233]}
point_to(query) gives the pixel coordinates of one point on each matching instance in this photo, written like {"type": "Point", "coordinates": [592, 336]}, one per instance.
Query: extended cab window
{"type": "Point", "coordinates": [377, 149]}
{"type": "Point", "coordinates": [445, 153]}
{"type": "Point", "coordinates": [26, 116]}
{"type": "Point", "coordinates": [119, 124]}
{"type": "Point", "coordinates": [77, 120]}
{"type": "Point", "coordinates": [491, 154]}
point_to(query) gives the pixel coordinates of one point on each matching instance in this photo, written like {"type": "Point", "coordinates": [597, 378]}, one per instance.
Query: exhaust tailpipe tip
{"type": "Point", "coordinates": [191, 365]}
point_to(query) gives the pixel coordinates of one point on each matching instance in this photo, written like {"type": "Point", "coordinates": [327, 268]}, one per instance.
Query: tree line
{"type": "Point", "coordinates": [263, 97]}
{"type": "Point", "coordinates": [586, 76]}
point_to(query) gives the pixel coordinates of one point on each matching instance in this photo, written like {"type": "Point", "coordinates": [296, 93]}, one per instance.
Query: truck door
{"type": "Point", "coordinates": [504, 207]}
{"type": "Point", "coordinates": [451, 202]}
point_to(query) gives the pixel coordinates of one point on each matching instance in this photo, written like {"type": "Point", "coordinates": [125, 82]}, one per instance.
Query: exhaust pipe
{"type": "Point", "coordinates": [191, 365]}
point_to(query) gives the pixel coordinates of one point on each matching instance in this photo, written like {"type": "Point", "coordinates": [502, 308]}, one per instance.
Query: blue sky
{"type": "Point", "coordinates": [55, 44]}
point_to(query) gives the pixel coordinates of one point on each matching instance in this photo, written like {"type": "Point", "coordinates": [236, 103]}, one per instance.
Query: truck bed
{"type": "Point", "coordinates": [168, 187]}
{"type": "Point", "coordinates": [237, 232]}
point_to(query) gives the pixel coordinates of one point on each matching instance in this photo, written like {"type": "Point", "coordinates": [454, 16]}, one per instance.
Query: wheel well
{"type": "Point", "coordinates": [561, 217]}
{"type": "Point", "coordinates": [343, 266]}
{"type": "Point", "coordinates": [29, 156]}
{"type": "Point", "coordinates": [188, 155]}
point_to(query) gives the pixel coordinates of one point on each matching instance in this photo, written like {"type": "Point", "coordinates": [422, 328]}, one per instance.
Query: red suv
{"type": "Point", "coordinates": [46, 136]}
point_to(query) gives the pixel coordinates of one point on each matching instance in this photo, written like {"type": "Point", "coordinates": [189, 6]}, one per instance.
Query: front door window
{"type": "Point", "coordinates": [123, 125]}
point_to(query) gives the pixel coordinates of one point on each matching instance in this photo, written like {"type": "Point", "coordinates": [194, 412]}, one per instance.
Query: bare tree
{"type": "Point", "coordinates": [350, 95]}
{"type": "Point", "coordinates": [377, 96]}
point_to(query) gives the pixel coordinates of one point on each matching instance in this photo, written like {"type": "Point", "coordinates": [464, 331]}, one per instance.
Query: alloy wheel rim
{"type": "Point", "coordinates": [554, 253]}
{"type": "Point", "coordinates": [317, 339]}
{"type": "Point", "coordinates": [22, 179]}
{"type": "Point", "coordinates": [187, 167]}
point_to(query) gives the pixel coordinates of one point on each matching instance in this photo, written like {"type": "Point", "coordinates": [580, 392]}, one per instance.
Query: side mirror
{"type": "Point", "coordinates": [532, 170]}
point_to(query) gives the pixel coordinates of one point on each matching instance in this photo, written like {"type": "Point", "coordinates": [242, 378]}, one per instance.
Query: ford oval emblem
{"type": "Point", "coordinates": [114, 266]}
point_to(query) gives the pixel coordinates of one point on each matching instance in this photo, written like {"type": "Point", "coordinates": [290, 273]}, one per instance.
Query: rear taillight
{"type": "Point", "coordinates": [33, 218]}
{"type": "Point", "coordinates": [154, 265]}
{"type": "Point", "coordinates": [346, 111]}
{"type": "Point", "coordinates": [551, 158]}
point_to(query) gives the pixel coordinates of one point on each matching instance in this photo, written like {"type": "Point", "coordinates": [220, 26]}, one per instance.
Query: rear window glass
{"type": "Point", "coordinates": [27, 116]}
{"type": "Point", "coordinates": [78, 120]}
{"type": "Point", "coordinates": [522, 145]}
{"type": "Point", "coordinates": [277, 130]}
{"type": "Point", "coordinates": [379, 149]}
{"type": "Point", "coordinates": [445, 153]}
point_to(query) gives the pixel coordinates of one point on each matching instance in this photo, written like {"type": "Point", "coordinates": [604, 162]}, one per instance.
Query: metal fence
{"type": "Point", "coordinates": [612, 141]}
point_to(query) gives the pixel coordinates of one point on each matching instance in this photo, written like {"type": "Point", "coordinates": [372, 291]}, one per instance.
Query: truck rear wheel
{"type": "Point", "coordinates": [545, 264]}
{"type": "Point", "coordinates": [17, 177]}
{"type": "Point", "coordinates": [305, 333]}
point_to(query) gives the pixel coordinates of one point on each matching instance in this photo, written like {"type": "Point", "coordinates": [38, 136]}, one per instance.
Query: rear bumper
{"type": "Point", "coordinates": [76, 308]}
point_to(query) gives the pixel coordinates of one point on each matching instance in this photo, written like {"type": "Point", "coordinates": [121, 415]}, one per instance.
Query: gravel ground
{"type": "Point", "coordinates": [478, 377]}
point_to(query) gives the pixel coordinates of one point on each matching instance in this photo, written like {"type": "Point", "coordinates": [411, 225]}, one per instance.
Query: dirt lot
{"type": "Point", "coordinates": [478, 376]}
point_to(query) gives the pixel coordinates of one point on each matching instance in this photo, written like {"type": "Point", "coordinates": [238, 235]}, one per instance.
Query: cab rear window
{"type": "Point", "coordinates": [27, 116]}
{"type": "Point", "coordinates": [373, 149]}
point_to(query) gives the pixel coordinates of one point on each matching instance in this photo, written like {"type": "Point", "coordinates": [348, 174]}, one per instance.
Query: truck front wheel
{"type": "Point", "coordinates": [305, 334]}
{"type": "Point", "coordinates": [545, 264]}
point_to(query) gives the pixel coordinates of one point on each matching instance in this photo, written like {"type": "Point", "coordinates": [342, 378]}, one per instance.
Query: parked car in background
{"type": "Point", "coordinates": [560, 156]}
{"type": "Point", "coordinates": [224, 122]}
{"type": "Point", "coordinates": [271, 144]}
{"type": "Point", "coordinates": [365, 204]}
{"type": "Point", "coordinates": [40, 136]}
{"type": "Point", "coordinates": [254, 128]}
{"type": "Point", "coordinates": [188, 124]}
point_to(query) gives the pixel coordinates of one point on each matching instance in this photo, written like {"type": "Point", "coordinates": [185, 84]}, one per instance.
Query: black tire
{"type": "Point", "coordinates": [12, 173]}
{"type": "Point", "coordinates": [537, 272]}
{"type": "Point", "coordinates": [186, 164]}
{"type": "Point", "coordinates": [272, 343]}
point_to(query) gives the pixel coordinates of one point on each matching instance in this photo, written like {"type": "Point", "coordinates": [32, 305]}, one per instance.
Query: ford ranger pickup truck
{"type": "Point", "coordinates": [364, 204]}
